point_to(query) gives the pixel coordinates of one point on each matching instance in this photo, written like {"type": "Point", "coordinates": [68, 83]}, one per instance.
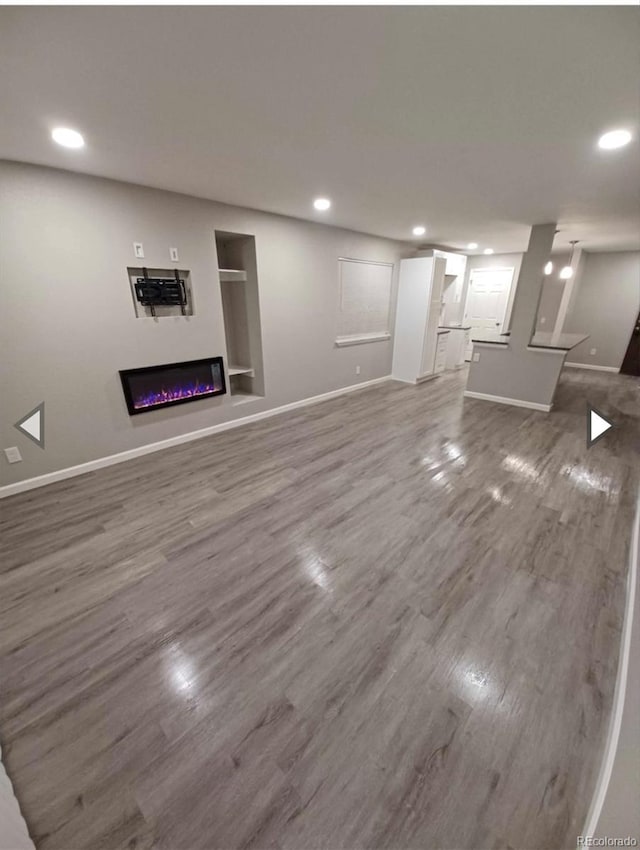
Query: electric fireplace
{"type": "Point", "coordinates": [173, 383]}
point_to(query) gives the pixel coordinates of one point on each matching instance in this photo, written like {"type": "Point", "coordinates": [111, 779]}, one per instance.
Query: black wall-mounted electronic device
{"type": "Point", "coordinates": [161, 291]}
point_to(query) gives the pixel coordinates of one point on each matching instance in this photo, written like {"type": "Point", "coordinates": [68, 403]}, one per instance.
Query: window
{"type": "Point", "coordinates": [365, 298]}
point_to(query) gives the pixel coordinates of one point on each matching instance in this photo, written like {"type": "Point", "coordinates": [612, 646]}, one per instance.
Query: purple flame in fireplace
{"type": "Point", "coordinates": [172, 383]}
{"type": "Point", "coordinates": [191, 390]}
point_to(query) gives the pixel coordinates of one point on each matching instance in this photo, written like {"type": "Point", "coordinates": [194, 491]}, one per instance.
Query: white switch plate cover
{"type": "Point", "coordinates": [173, 253]}
{"type": "Point", "coordinates": [357, 370]}
{"type": "Point", "coordinates": [476, 357]}
{"type": "Point", "coordinates": [13, 454]}
{"type": "Point", "coordinates": [592, 351]}
{"type": "Point", "coordinates": [138, 250]}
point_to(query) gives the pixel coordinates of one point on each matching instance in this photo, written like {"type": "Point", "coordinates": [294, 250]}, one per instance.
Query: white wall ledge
{"type": "Point", "coordinates": [343, 341]}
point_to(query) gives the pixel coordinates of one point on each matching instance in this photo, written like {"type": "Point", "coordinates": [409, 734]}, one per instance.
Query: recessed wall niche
{"type": "Point", "coordinates": [238, 275]}
{"type": "Point", "coordinates": [158, 286]}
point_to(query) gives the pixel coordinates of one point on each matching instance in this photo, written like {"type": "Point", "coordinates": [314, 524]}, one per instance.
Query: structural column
{"type": "Point", "coordinates": [529, 288]}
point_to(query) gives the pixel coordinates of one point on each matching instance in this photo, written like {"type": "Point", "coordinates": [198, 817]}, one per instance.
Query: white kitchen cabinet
{"type": "Point", "coordinates": [456, 263]}
{"type": "Point", "coordinates": [453, 286]}
{"type": "Point", "coordinates": [417, 315]}
{"type": "Point", "coordinates": [441, 352]}
{"type": "Point", "coordinates": [457, 345]}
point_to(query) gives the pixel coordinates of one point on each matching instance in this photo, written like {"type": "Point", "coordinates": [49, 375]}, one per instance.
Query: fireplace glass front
{"type": "Point", "coordinates": [172, 383]}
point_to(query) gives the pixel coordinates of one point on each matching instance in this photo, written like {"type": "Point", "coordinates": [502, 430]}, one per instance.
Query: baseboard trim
{"type": "Point", "coordinates": [149, 448]}
{"type": "Point", "coordinates": [592, 367]}
{"type": "Point", "coordinates": [617, 708]}
{"type": "Point", "coordinates": [514, 402]}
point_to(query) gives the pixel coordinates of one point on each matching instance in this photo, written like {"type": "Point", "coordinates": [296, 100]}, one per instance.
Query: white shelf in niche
{"type": "Point", "coordinates": [242, 370]}
{"type": "Point", "coordinates": [231, 275]}
{"type": "Point", "coordinates": [243, 398]}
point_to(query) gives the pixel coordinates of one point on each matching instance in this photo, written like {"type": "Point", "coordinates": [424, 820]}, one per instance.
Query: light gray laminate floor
{"type": "Point", "coordinates": [390, 620]}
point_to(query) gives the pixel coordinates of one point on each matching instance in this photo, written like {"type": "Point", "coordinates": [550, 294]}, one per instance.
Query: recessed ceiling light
{"type": "Point", "coordinates": [322, 204]}
{"type": "Point", "coordinates": [419, 230]}
{"type": "Point", "coordinates": [67, 138]}
{"type": "Point", "coordinates": [472, 246]}
{"type": "Point", "coordinates": [488, 251]}
{"type": "Point", "coordinates": [548, 268]}
{"type": "Point", "coordinates": [614, 139]}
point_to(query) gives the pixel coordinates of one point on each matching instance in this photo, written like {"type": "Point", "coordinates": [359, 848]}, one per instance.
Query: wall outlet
{"type": "Point", "coordinates": [13, 454]}
{"type": "Point", "coordinates": [592, 351]}
{"type": "Point", "coordinates": [173, 253]}
{"type": "Point", "coordinates": [476, 357]}
{"type": "Point", "coordinates": [357, 370]}
{"type": "Point", "coordinates": [542, 320]}
{"type": "Point", "coordinates": [138, 250]}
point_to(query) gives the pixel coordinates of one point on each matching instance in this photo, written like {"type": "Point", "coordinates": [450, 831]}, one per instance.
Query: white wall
{"type": "Point", "coordinates": [67, 321]}
{"type": "Point", "coordinates": [620, 814]}
{"type": "Point", "coordinates": [605, 307]}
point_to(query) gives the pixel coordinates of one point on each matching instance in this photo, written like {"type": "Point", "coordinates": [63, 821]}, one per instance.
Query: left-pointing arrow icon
{"type": "Point", "coordinates": [32, 425]}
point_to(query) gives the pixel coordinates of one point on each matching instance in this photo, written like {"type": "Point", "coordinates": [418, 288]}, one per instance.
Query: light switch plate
{"type": "Point", "coordinates": [592, 351]}
{"type": "Point", "coordinates": [173, 253]}
{"type": "Point", "coordinates": [476, 357]}
{"type": "Point", "coordinates": [13, 454]}
{"type": "Point", "coordinates": [138, 250]}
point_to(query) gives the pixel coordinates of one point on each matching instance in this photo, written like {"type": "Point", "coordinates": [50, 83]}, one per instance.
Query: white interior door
{"type": "Point", "coordinates": [487, 300]}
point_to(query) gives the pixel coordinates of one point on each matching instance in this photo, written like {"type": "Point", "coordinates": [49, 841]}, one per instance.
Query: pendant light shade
{"type": "Point", "coordinates": [567, 271]}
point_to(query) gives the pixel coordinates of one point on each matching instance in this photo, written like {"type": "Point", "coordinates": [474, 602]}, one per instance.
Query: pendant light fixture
{"type": "Point", "coordinates": [567, 271]}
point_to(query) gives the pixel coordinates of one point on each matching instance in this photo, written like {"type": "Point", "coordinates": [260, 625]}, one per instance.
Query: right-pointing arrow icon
{"type": "Point", "coordinates": [597, 425]}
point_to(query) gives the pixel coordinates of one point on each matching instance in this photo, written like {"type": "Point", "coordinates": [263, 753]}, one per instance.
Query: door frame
{"type": "Point", "coordinates": [509, 304]}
